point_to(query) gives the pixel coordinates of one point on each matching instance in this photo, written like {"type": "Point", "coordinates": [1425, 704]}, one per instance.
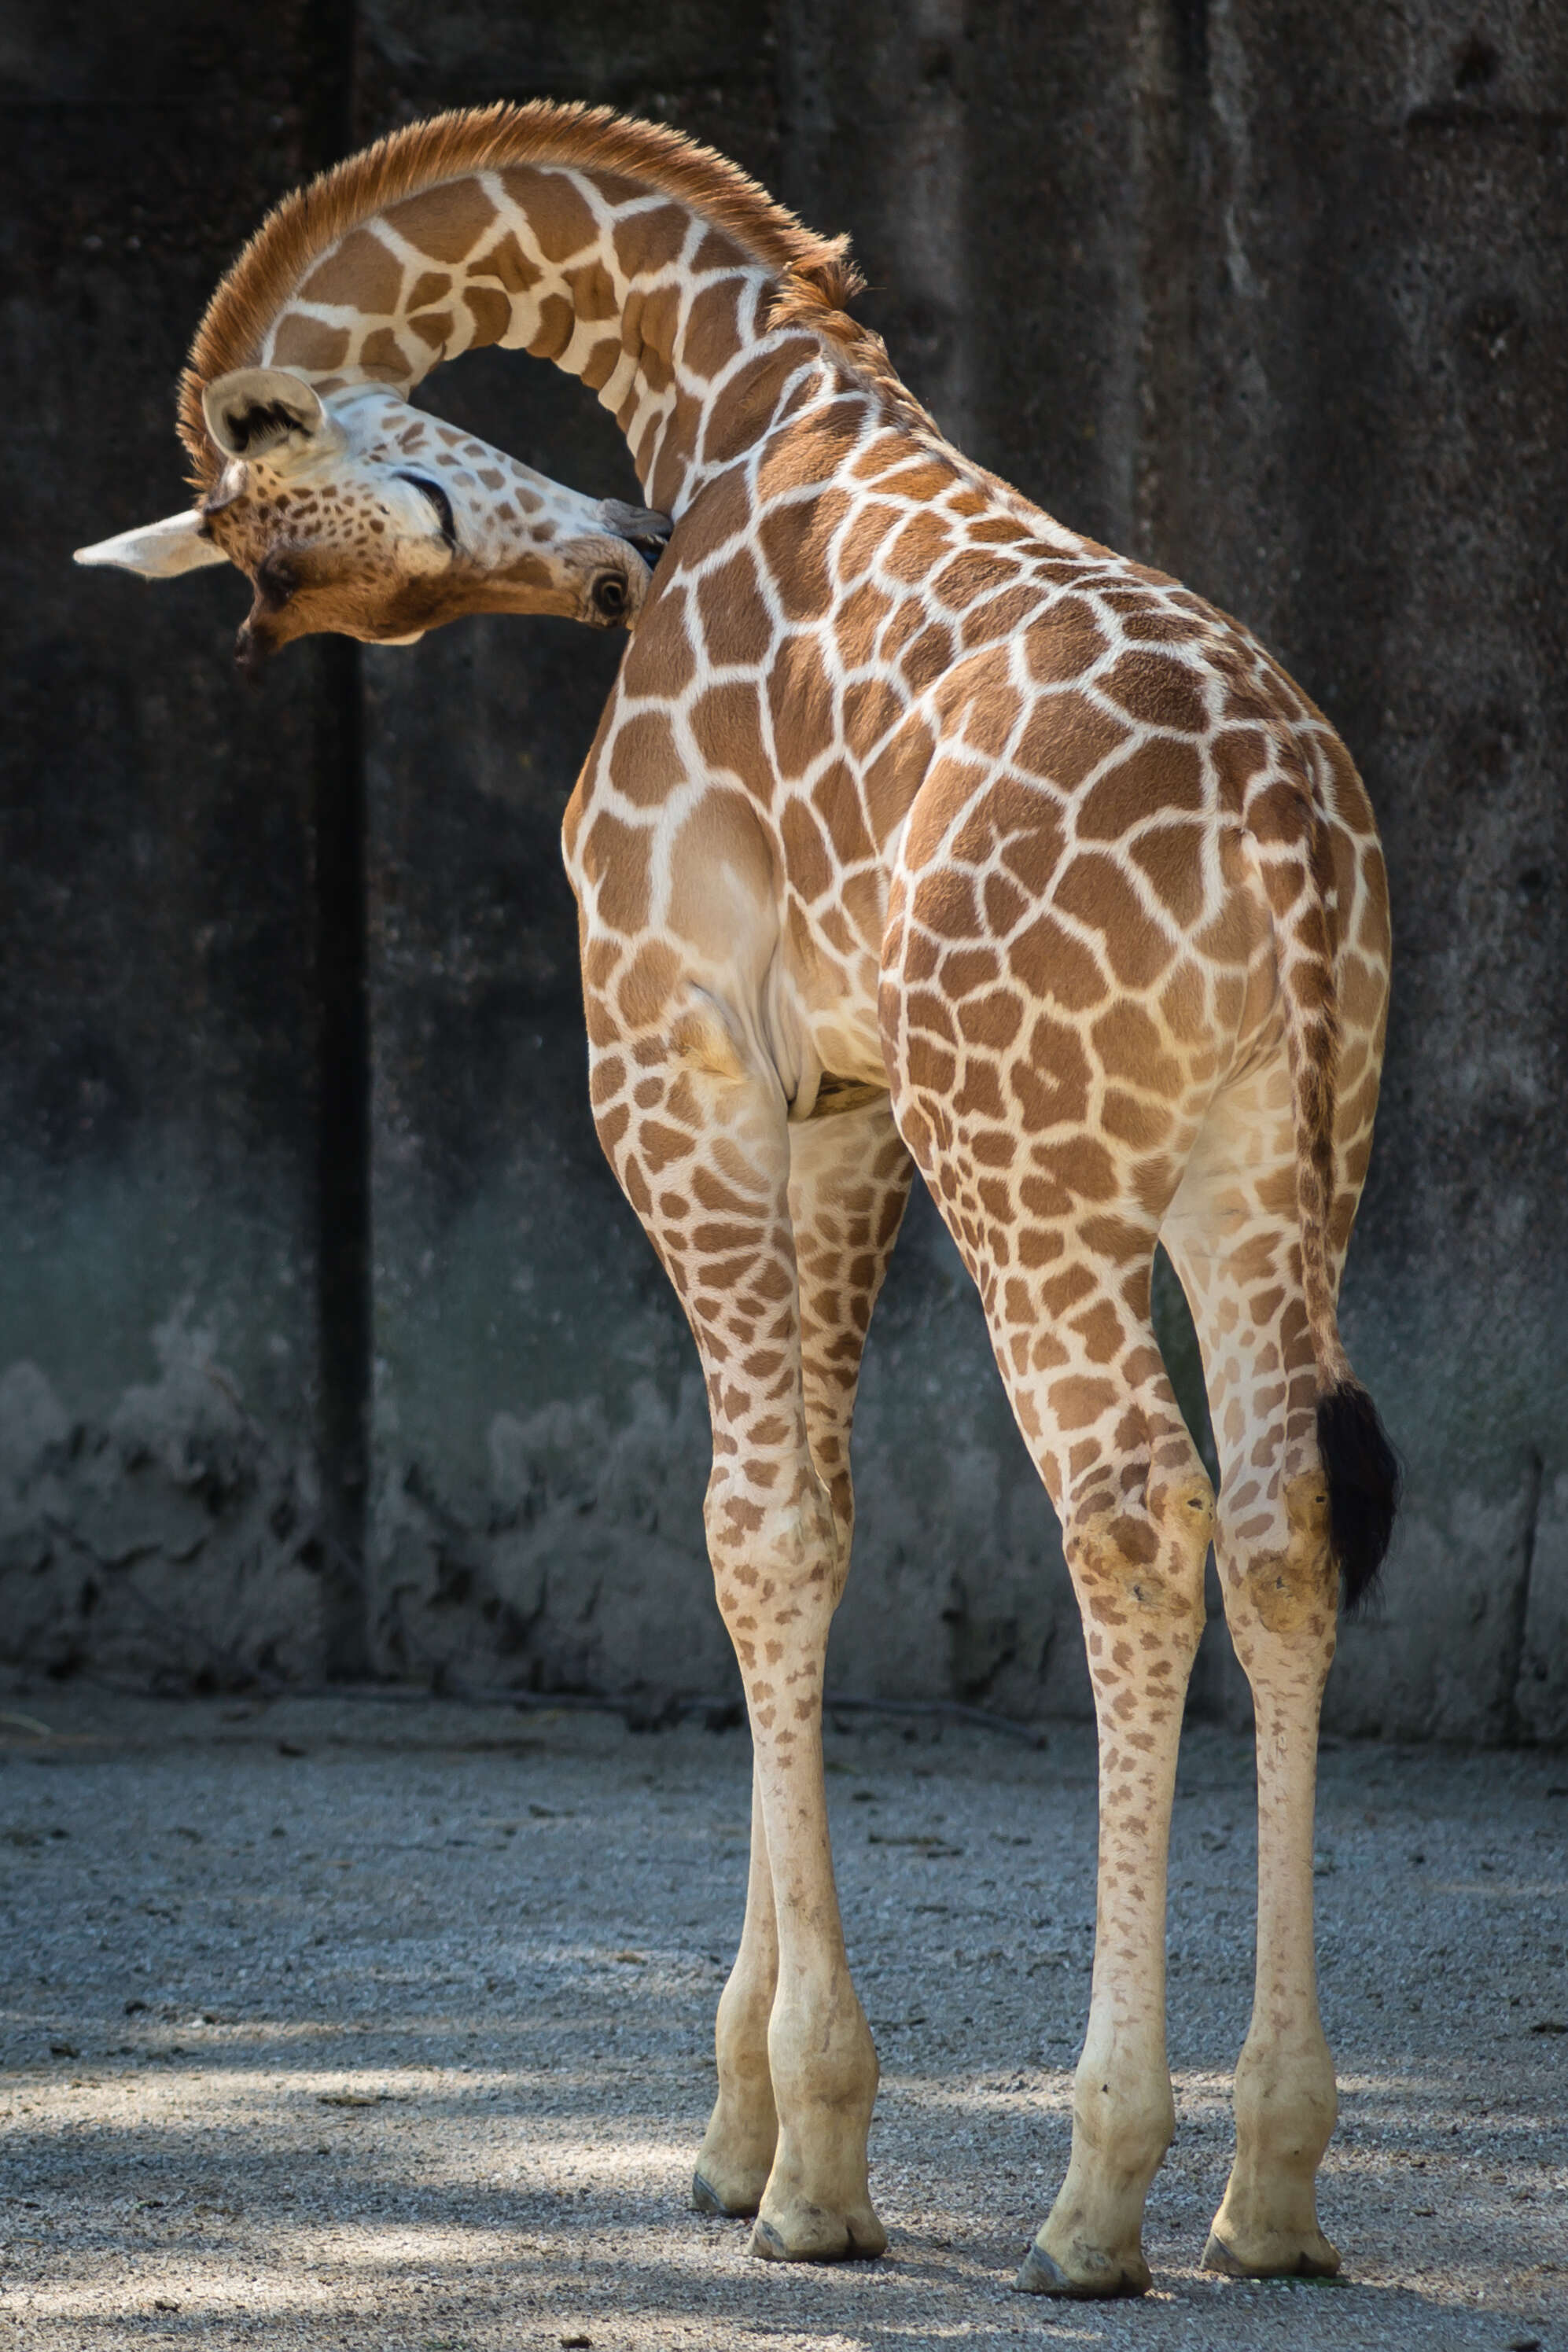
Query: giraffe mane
{"type": "Point", "coordinates": [816, 277]}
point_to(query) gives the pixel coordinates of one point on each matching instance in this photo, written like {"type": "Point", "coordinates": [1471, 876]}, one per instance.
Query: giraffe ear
{"type": "Point", "coordinates": [159, 549]}
{"type": "Point", "coordinates": [256, 411]}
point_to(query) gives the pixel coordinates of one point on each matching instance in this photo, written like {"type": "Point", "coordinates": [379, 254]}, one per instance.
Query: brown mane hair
{"type": "Point", "coordinates": [815, 276]}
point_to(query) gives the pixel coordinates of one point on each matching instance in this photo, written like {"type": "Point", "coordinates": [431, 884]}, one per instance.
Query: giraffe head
{"type": "Point", "coordinates": [356, 512]}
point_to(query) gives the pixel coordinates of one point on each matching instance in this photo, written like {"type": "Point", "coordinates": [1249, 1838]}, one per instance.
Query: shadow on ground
{"type": "Point", "coordinates": [335, 2025]}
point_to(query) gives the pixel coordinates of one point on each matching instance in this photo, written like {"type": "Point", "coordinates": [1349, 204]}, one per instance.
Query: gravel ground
{"type": "Point", "coordinates": [341, 2023]}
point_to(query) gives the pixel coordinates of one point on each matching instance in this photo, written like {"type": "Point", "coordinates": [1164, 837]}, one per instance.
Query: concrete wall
{"type": "Point", "coordinates": [311, 1260]}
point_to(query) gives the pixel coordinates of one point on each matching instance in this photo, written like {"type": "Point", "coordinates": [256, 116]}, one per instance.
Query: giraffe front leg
{"type": "Point", "coordinates": [707, 1162]}
{"type": "Point", "coordinates": [737, 2152]}
{"type": "Point", "coordinates": [1281, 1602]}
{"type": "Point", "coordinates": [848, 1181]}
{"type": "Point", "coordinates": [1138, 1573]}
{"type": "Point", "coordinates": [777, 1574]}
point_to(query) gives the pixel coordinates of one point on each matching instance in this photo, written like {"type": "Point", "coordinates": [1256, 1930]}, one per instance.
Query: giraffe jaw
{"type": "Point", "coordinates": [599, 579]}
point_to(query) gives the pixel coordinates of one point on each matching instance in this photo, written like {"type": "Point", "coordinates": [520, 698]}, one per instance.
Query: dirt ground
{"type": "Point", "coordinates": [342, 2024]}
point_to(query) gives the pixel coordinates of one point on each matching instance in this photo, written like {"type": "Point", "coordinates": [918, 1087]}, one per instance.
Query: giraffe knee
{"type": "Point", "coordinates": [780, 1555]}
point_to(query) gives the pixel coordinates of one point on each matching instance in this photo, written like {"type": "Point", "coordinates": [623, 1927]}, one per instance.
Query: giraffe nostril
{"type": "Point", "coordinates": [275, 582]}
{"type": "Point", "coordinates": [640, 527]}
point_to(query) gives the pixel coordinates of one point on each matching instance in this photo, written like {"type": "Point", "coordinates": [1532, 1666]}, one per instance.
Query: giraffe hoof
{"type": "Point", "coordinates": [1320, 2261]}
{"type": "Point", "coordinates": [1039, 2273]}
{"type": "Point", "coordinates": [855, 2238]}
{"type": "Point", "coordinates": [706, 2199]}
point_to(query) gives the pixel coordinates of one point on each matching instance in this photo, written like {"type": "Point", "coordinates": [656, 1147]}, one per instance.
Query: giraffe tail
{"type": "Point", "coordinates": [1365, 1477]}
{"type": "Point", "coordinates": [1360, 1465]}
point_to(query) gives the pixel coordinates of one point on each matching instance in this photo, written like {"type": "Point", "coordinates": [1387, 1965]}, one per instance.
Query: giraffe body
{"type": "Point", "coordinates": [920, 831]}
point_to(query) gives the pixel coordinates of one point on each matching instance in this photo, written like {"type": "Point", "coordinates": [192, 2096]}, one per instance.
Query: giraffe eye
{"type": "Point", "coordinates": [437, 498]}
{"type": "Point", "coordinates": [609, 594]}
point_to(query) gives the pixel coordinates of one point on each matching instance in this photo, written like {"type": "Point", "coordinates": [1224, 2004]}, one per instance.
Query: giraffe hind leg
{"type": "Point", "coordinates": [1067, 1299]}
{"type": "Point", "coordinates": [1136, 1554]}
{"type": "Point", "coordinates": [1052, 1177]}
{"type": "Point", "coordinates": [1237, 1252]}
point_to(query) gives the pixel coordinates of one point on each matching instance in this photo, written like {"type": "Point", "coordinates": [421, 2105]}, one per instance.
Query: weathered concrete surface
{"type": "Point", "coordinates": [157, 1125]}
{"type": "Point", "coordinates": [1271, 296]}
{"type": "Point", "coordinates": [1365, 456]}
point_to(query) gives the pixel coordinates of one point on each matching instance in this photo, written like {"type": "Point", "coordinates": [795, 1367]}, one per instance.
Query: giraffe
{"type": "Point", "coordinates": [919, 832]}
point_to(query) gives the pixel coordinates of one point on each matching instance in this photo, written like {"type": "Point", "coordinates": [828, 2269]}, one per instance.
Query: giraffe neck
{"type": "Point", "coordinates": [667, 306]}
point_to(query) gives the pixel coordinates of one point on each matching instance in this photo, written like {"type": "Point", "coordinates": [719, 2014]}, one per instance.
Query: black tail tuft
{"type": "Point", "coordinates": [1364, 1478]}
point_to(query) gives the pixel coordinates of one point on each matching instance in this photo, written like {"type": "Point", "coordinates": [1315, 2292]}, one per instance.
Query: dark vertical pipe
{"type": "Point", "coordinates": [343, 1015]}
{"type": "Point", "coordinates": [342, 1157]}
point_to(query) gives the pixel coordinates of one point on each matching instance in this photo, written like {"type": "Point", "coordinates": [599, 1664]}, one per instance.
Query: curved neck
{"type": "Point", "coordinates": [658, 310]}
